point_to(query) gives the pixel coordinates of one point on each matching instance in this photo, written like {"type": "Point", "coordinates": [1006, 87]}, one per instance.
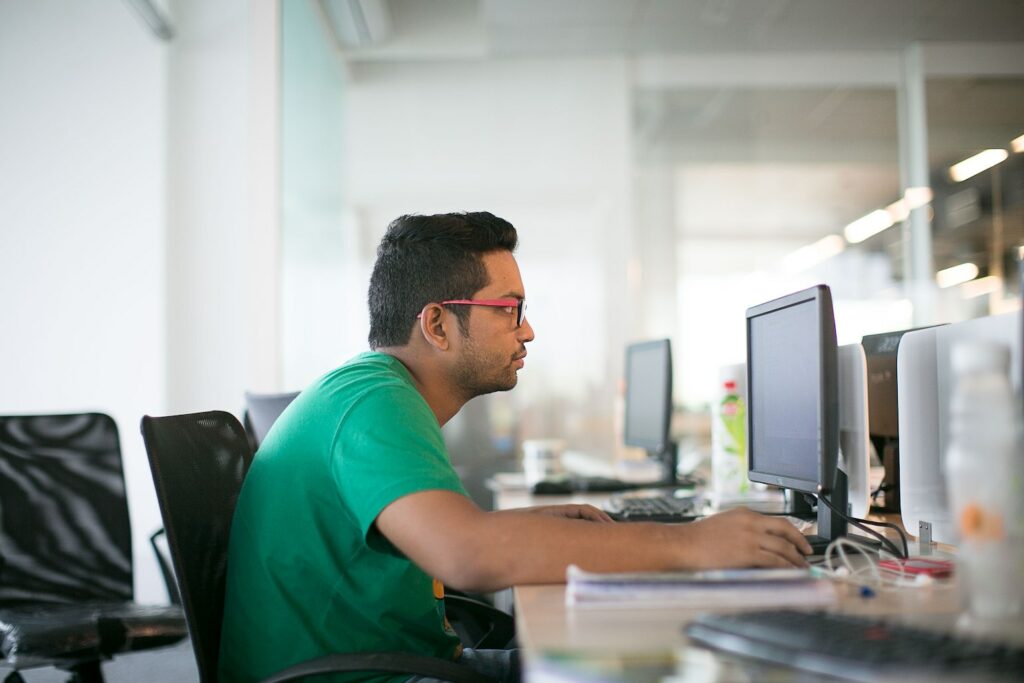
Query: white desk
{"type": "Point", "coordinates": [644, 644]}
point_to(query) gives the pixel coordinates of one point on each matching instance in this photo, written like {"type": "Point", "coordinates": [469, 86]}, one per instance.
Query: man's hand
{"type": "Point", "coordinates": [741, 538]}
{"type": "Point", "coordinates": [572, 511]}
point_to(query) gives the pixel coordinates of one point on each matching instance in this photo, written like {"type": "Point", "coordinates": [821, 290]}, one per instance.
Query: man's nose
{"type": "Point", "coordinates": [526, 331]}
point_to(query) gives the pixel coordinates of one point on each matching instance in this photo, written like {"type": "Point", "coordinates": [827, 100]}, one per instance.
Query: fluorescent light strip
{"type": "Point", "coordinates": [981, 287]}
{"type": "Point", "coordinates": [813, 254]}
{"type": "Point", "coordinates": [898, 211]}
{"type": "Point", "coordinates": [882, 219]}
{"type": "Point", "coordinates": [957, 275]}
{"type": "Point", "coordinates": [916, 197]}
{"type": "Point", "coordinates": [1017, 144]}
{"type": "Point", "coordinates": [981, 161]}
{"type": "Point", "coordinates": [866, 226]}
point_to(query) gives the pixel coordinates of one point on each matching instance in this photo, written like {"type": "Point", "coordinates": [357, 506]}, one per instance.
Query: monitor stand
{"type": "Point", "coordinates": [889, 451]}
{"type": "Point", "coordinates": [830, 525]}
{"type": "Point", "coordinates": [669, 463]}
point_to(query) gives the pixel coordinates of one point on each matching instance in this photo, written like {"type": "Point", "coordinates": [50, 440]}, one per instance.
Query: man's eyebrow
{"type": "Point", "coordinates": [512, 295]}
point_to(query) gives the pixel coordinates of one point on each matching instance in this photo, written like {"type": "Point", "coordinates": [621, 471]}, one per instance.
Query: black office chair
{"type": "Point", "coordinates": [261, 412]}
{"type": "Point", "coordinates": [198, 463]}
{"type": "Point", "coordinates": [66, 593]}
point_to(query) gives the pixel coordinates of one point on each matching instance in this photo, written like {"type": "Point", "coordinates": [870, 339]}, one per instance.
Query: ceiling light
{"type": "Point", "coordinates": [866, 226]}
{"type": "Point", "coordinates": [1018, 144]}
{"type": "Point", "coordinates": [981, 286]}
{"type": "Point", "coordinates": [916, 197]}
{"type": "Point", "coordinates": [957, 275]}
{"type": "Point", "coordinates": [898, 211]}
{"type": "Point", "coordinates": [813, 254]}
{"type": "Point", "coordinates": [976, 164]}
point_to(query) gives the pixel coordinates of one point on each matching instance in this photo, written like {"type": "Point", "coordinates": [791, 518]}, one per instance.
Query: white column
{"type": "Point", "coordinates": [654, 249]}
{"type": "Point", "coordinates": [223, 216]}
{"type": "Point", "coordinates": [918, 268]}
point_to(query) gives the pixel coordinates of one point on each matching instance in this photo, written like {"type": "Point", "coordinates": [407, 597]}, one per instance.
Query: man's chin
{"type": "Point", "coordinates": [506, 385]}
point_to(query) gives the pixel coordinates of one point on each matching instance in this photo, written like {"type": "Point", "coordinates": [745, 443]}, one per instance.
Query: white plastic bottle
{"type": "Point", "coordinates": [984, 481]}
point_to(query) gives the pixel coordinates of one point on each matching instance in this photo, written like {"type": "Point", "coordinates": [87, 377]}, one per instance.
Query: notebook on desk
{"type": "Point", "coordinates": [719, 588]}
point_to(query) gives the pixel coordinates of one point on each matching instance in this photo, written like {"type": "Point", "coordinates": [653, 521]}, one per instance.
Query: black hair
{"type": "Point", "coordinates": [424, 259]}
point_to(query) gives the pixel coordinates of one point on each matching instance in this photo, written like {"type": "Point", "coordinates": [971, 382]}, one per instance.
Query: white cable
{"type": "Point", "coordinates": [840, 567]}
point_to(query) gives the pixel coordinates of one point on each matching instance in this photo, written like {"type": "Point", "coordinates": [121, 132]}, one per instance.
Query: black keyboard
{"type": "Point", "coordinates": [854, 647]}
{"type": "Point", "coordinates": [668, 508]}
{"type": "Point", "coordinates": [569, 485]}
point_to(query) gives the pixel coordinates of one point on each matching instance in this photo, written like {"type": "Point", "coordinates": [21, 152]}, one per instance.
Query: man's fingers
{"type": "Point", "coordinates": [784, 549]}
{"type": "Point", "coordinates": [594, 514]}
{"type": "Point", "coordinates": [781, 527]}
{"type": "Point", "coordinates": [770, 560]}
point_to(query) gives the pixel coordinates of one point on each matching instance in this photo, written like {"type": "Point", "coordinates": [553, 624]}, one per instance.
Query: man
{"type": "Point", "coordinates": [351, 515]}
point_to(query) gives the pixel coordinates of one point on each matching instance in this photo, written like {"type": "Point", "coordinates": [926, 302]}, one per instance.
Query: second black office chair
{"type": "Point", "coordinates": [198, 463]}
{"type": "Point", "coordinates": [66, 594]}
{"type": "Point", "coordinates": [261, 412]}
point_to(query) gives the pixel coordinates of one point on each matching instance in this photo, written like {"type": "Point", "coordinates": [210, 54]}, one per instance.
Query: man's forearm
{"type": "Point", "coordinates": [516, 547]}
{"type": "Point", "coordinates": [466, 548]}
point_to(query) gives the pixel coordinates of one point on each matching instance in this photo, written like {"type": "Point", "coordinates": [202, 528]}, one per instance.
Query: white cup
{"type": "Point", "coordinates": [542, 459]}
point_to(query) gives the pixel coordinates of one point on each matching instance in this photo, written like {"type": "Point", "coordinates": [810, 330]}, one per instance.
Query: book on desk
{"type": "Point", "coordinates": [718, 588]}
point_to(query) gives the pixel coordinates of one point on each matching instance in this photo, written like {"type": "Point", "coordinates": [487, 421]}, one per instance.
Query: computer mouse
{"type": "Point", "coordinates": [550, 487]}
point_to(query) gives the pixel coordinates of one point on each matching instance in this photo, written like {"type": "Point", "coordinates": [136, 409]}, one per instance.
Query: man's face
{"type": "Point", "coordinates": [493, 351]}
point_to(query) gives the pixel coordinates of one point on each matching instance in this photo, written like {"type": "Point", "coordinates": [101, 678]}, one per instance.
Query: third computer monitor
{"type": "Point", "coordinates": [649, 402]}
{"type": "Point", "coordinates": [793, 406]}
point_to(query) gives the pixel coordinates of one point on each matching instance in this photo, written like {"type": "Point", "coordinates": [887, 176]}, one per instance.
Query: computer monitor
{"type": "Point", "coordinates": [793, 405]}
{"type": "Point", "coordinates": [854, 452]}
{"type": "Point", "coordinates": [649, 402]}
{"type": "Point", "coordinates": [883, 413]}
{"type": "Point", "coordinates": [925, 388]}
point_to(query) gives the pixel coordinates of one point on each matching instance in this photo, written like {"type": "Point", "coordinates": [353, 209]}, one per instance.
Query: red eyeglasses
{"type": "Point", "coordinates": [517, 305]}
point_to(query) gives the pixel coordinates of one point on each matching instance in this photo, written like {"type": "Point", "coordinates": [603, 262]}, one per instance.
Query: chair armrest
{"type": "Point", "coordinates": [165, 567]}
{"type": "Point", "coordinates": [387, 662]}
{"type": "Point", "coordinates": [497, 627]}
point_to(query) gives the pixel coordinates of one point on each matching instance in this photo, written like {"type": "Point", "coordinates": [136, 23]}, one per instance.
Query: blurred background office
{"type": "Point", "coordinates": [191, 191]}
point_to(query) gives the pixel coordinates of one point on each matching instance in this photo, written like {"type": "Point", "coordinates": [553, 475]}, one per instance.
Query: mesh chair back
{"type": "Point", "coordinates": [198, 463]}
{"type": "Point", "coordinates": [65, 534]}
{"type": "Point", "coordinates": [262, 411]}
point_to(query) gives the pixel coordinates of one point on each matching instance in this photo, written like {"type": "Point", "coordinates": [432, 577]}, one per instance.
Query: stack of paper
{"type": "Point", "coordinates": [721, 588]}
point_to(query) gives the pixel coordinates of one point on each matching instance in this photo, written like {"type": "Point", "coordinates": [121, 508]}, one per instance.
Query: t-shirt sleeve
{"type": "Point", "coordinates": [389, 446]}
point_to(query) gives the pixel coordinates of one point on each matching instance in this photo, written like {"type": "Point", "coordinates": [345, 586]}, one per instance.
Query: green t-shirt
{"type": "Point", "coordinates": [308, 573]}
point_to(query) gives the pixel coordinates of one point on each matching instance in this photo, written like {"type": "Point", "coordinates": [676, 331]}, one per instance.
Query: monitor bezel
{"type": "Point", "coordinates": [665, 440]}
{"type": "Point", "coordinates": [828, 409]}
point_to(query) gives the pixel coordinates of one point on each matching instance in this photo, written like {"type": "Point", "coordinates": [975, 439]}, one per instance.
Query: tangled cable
{"type": "Point", "coordinates": [839, 566]}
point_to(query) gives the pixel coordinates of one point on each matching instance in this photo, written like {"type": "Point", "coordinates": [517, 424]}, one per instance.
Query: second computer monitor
{"type": "Point", "coordinates": [793, 405]}
{"type": "Point", "coordinates": [649, 401]}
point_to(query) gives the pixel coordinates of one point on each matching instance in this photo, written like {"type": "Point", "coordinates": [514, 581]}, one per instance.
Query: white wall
{"type": "Point", "coordinates": [542, 143]}
{"type": "Point", "coordinates": [82, 173]}
{"type": "Point", "coordinates": [139, 209]}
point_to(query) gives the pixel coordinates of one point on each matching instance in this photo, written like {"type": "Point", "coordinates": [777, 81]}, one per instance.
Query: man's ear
{"type": "Point", "coordinates": [434, 323]}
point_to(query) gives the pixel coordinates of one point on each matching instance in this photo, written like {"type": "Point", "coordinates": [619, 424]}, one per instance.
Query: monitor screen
{"type": "Point", "coordinates": [792, 389]}
{"type": "Point", "coordinates": [648, 395]}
